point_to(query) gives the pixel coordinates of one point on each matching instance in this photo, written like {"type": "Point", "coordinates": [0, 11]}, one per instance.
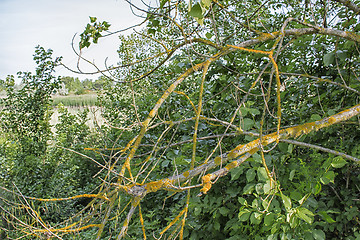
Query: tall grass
{"type": "Point", "coordinates": [76, 100]}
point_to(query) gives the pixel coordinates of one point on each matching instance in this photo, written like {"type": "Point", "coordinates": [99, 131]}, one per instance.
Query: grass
{"type": "Point", "coordinates": [76, 100]}
{"type": "Point", "coordinates": [72, 100]}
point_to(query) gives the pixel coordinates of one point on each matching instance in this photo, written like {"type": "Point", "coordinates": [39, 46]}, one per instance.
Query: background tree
{"type": "Point", "coordinates": [25, 122]}
{"type": "Point", "coordinates": [228, 119]}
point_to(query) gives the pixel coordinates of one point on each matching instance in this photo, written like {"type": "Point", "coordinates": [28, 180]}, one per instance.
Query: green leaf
{"type": "Point", "coordinates": [257, 157]}
{"type": "Point", "coordinates": [356, 29]}
{"type": "Point", "coordinates": [255, 218]}
{"type": "Point", "coordinates": [165, 163]}
{"type": "Point", "coordinates": [236, 173]}
{"type": "Point", "coordinates": [249, 188]}
{"type": "Point", "coordinates": [181, 160]}
{"type": "Point", "coordinates": [151, 31]}
{"type": "Point", "coordinates": [292, 174]}
{"type": "Point", "coordinates": [338, 162]}
{"type": "Point", "coordinates": [295, 195]}
{"type": "Point", "coordinates": [93, 19]}
{"type": "Point", "coordinates": [283, 146]}
{"type": "Point", "coordinates": [286, 201]}
{"type": "Point", "coordinates": [242, 201]}
{"type": "Point", "coordinates": [224, 211]}
{"type": "Point", "coordinates": [306, 215]}
{"type": "Point", "coordinates": [269, 219]}
{"type": "Point", "coordinates": [206, 3]}
{"type": "Point", "coordinates": [315, 117]}
{"type": "Point", "coordinates": [255, 203]}
{"type": "Point", "coordinates": [200, 21]}
{"type": "Point", "coordinates": [324, 180]}
{"type": "Point", "coordinates": [163, 3]}
{"type": "Point", "coordinates": [272, 237]}
{"type": "Point", "coordinates": [290, 148]}
{"type": "Point", "coordinates": [155, 23]}
{"type": "Point", "coordinates": [254, 111]}
{"type": "Point", "coordinates": [342, 55]}
{"type": "Point", "coordinates": [262, 174]}
{"type": "Point", "coordinates": [259, 188]}
{"type": "Point", "coordinates": [250, 175]}
{"type": "Point", "coordinates": [244, 215]}
{"type": "Point", "coordinates": [243, 111]}
{"type": "Point", "coordinates": [208, 35]}
{"type": "Point", "coordinates": [247, 123]}
{"type": "Point", "coordinates": [318, 234]}
{"type": "Point", "coordinates": [265, 204]}
{"type": "Point", "coordinates": [331, 112]}
{"type": "Point", "coordinates": [317, 189]}
{"type": "Point", "coordinates": [350, 44]}
{"type": "Point", "coordinates": [106, 25]}
{"type": "Point", "coordinates": [216, 226]}
{"type": "Point", "coordinates": [267, 187]}
{"type": "Point", "coordinates": [328, 177]}
{"type": "Point", "coordinates": [329, 58]}
{"type": "Point", "coordinates": [326, 217]}
{"type": "Point", "coordinates": [196, 11]}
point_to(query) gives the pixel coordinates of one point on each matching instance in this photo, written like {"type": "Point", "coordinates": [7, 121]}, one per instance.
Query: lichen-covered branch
{"type": "Point", "coordinates": [247, 149]}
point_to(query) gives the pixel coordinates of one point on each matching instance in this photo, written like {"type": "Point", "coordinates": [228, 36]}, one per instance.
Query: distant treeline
{"type": "Point", "coordinates": [78, 87]}
{"type": "Point", "coordinates": [70, 85]}
{"type": "Point", "coordinates": [72, 93]}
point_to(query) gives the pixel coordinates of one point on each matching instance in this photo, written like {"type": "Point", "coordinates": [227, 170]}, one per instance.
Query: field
{"type": "Point", "coordinates": [76, 100]}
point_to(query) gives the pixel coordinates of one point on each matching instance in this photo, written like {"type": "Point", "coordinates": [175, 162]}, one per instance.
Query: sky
{"type": "Point", "coordinates": [24, 24]}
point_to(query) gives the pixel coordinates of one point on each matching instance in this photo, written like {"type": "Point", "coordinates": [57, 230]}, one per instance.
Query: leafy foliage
{"type": "Point", "coordinates": [26, 112]}
{"type": "Point", "coordinates": [92, 31]}
{"type": "Point", "coordinates": [226, 119]}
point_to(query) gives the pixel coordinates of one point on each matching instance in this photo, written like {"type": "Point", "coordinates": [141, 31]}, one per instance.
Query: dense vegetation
{"type": "Point", "coordinates": [79, 87]}
{"type": "Point", "coordinates": [225, 120]}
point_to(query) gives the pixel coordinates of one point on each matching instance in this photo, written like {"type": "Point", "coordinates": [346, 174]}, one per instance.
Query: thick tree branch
{"type": "Point", "coordinates": [247, 149]}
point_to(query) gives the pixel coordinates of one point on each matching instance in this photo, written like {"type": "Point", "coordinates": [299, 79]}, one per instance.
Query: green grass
{"type": "Point", "coordinates": [76, 100]}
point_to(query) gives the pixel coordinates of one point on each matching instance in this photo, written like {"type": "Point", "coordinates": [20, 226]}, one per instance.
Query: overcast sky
{"type": "Point", "coordinates": [25, 24]}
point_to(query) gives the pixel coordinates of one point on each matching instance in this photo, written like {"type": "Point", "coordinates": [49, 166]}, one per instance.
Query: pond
{"type": "Point", "coordinates": [94, 115]}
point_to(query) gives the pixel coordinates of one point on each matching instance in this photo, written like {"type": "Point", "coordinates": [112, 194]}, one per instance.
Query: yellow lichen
{"type": "Point", "coordinates": [291, 131]}
{"type": "Point", "coordinates": [231, 165]}
{"type": "Point", "coordinates": [206, 183]}
{"type": "Point", "coordinates": [239, 147]}
{"type": "Point", "coordinates": [266, 36]}
{"type": "Point", "coordinates": [217, 160]}
{"type": "Point", "coordinates": [152, 113]}
{"type": "Point", "coordinates": [186, 174]}
{"type": "Point", "coordinates": [154, 186]}
{"type": "Point", "coordinates": [69, 198]}
{"type": "Point", "coordinates": [232, 155]}
{"type": "Point", "coordinates": [331, 120]}
{"type": "Point", "coordinates": [157, 185]}
{"type": "Point", "coordinates": [65, 229]}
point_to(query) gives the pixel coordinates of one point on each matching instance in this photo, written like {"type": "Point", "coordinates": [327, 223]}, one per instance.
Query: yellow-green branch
{"type": "Point", "coordinates": [249, 148]}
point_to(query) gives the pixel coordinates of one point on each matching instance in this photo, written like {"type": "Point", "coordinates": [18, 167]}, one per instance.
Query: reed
{"type": "Point", "coordinates": [76, 100]}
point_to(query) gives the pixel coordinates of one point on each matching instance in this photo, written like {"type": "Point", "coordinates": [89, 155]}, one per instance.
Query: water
{"type": "Point", "coordinates": [94, 115]}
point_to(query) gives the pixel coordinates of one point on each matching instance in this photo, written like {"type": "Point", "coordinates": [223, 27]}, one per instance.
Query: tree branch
{"type": "Point", "coordinates": [308, 145]}
{"type": "Point", "coordinates": [349, 4]}
{"type": "Point", "coordinates": [247, 149]}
